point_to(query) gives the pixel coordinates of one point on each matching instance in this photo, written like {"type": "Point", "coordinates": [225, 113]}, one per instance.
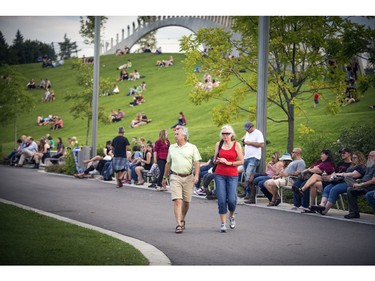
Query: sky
{"type": "Point", "coordinates": [51, 29]}
{"type": "Point", "coordinates": [49, 23]}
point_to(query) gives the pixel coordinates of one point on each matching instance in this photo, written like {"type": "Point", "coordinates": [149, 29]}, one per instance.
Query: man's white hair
{"type": "Point", "coordinates": [184, 132]}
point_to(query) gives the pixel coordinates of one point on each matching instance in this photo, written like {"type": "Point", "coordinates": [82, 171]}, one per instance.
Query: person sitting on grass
{"type": "Point", "coordinates": [57, 124]}
{"type": "Point", "coordinates": [119, 116]}
{"type": "Point", "coordinates": [31, 84]}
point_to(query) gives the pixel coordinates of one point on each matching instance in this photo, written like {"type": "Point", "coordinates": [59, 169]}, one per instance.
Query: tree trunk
{"type": "Point", "coordinates": [88, 131]}
{"type": "Point", "coordinates": [15, 131]}
{"type": "Point", "coordinates": [290, 127]}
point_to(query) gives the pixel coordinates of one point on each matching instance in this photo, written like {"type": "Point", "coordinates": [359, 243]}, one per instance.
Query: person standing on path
{"type": "Point", "coordinates": [120, 146]}
{"type": "Point", "coordinates": [253, 142]}
{"type": "Point", "coordinates": [160, 155]}
{"type": "Point", "coordinates": [228, 155]}
{"type": "Point", "coordinates": [182, 158]}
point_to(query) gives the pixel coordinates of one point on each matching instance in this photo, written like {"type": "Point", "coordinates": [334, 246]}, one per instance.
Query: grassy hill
{"type": "Point", "coordinates": [165, 97]}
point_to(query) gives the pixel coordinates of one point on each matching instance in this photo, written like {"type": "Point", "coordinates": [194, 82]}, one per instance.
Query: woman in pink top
{"type": "Point", "coordinates": [228, 155]}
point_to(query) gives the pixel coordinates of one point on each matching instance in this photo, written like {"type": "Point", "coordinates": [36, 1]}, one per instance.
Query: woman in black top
{"type": "Point", "coordinates": [146, 164]}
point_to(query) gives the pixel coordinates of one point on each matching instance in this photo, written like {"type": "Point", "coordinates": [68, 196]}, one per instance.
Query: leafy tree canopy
{"type": "Point", "coordinates": [306, 54]}
{"type": "Point", "coordinates": [88, 28]}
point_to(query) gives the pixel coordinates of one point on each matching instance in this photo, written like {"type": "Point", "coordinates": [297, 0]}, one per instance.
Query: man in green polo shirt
{"type": "Point", "coordinates": [182, 157]}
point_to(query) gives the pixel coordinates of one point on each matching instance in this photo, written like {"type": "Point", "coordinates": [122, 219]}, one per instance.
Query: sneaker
{"type": "Point", "coordinates": [352, 216]}
{"type": "Point", "coordinates": [201, 192]}
{"type": "Point", "coordinates": [232, 222]}
{"type": "Point", "coordinates": [223, 227]}
{"type": "Point", "coordinates": [303, 209]}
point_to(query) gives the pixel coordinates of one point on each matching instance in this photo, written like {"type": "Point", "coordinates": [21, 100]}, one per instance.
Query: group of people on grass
{"type": "Point", "coordinates": [54, 121]}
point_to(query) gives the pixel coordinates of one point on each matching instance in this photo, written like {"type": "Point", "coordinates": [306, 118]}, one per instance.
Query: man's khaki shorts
{"type": "Point", "coordinates": [182, 187]}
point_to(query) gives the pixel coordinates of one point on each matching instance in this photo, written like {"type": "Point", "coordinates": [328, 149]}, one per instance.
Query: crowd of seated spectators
{"type": "Point", "coordinates": [30, 151]}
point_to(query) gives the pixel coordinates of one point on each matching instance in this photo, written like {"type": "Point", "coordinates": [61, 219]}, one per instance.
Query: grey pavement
{"type": "Point", "coordinates": [263, 236]}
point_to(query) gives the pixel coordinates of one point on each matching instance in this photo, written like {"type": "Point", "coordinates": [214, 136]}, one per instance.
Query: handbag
{"type": "Point", "coordinates": [305, 175]}
{"type": "Point", "coordinates": [220, 145]}
{"type": "Point", "coordinates": [338, 179]}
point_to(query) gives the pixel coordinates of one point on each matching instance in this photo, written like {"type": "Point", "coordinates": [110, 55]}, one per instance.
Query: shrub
{"type": "Point", "coordinates": [361, 138]}
{"type": "Point", "coordinates": [69, 166]}
{"type": "Point", "coordinates": [313, 144]}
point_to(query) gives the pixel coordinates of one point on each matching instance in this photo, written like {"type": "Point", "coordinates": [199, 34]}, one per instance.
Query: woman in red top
{"type": "Point", "coordinates": [160, 156]}
{"type": "Point", "coordinates": [228, 155]}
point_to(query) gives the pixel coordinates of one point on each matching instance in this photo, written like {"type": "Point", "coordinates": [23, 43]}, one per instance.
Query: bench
{"type": "Point", "coordinates": [147, 177]}
{"type": "Point", "coordinates": [289, 187]}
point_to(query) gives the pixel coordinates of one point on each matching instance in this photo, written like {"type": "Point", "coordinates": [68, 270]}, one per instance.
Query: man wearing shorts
{"type": "Point", "coordinates": [182, 157]}
{"type": "Point", "coordinates": [253, 142]}
{"type": "Point", "coordinates": [120, 146]}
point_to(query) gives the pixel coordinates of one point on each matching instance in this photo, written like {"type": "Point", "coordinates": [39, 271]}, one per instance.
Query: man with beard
{"type": "Point", "coordinates": [361, 187]}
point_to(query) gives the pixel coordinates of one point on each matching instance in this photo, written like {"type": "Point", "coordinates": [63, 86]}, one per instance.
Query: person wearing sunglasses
{"type": "Point", "coordinates": [228, 156]}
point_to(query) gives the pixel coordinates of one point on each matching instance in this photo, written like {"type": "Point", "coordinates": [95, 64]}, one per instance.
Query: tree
{"type": "Point", "coordinates": [18, 49]}
{"type": "Point", "coordinates": [82, 106]}
{"type": "Point", "coordinates": [14, 99]}
{"type": "Point", "coordinates": [27, 51]}
{"type": "Point", "coordinates": [88, 28]}
{"type": "Point", "coordinates": [35, 49]}
{"type": "Point", "coordinates": [67, 48]}
{"type": "Point", "coordinates": [300, 49]}
{"type": "Point", "coordinates": [147, 40]}
{"type": "Point", "coordinates": [4, 50]}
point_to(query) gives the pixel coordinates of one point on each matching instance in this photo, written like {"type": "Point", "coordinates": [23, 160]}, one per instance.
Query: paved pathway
{"type": "Point", "coordinates": [263, 236]}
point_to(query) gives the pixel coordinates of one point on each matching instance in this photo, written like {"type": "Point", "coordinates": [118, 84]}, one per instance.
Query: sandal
{"type": "Point", "coordinates": [319, 209]}
{"type": "Point", "coordinates": [298, 191]}
{"type": "Point", "coordinates": [271, 204]}
{"type": "Point", "coordinates": [277, 202]}
{"type": "Point", "coordinates": [140, 183]}
{"type": "Point", "coordinates": [179, 229]}
{"type": "Point", "coordinates": [183, 224]}
{"type": "Point", "coordinates": [308, 211]}
{"type": "Point", "coordinates": [119, 183]}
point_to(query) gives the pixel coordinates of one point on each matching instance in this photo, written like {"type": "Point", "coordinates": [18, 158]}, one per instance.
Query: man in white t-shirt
{"type": "Point", "coordinates": [253, 142]}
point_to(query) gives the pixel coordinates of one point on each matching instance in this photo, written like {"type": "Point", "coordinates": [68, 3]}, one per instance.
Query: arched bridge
{"type": "Point", "coordinates": [147, 24]}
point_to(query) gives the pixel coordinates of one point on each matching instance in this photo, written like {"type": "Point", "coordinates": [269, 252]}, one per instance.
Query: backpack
{"type": "Point", "coordinates": [107, 171]}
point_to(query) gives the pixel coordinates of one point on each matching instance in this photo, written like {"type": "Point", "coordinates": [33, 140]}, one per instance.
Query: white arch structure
{"type": "Point", "coordinates": [146, 25]}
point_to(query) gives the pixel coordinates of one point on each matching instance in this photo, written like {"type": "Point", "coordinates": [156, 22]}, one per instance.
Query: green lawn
{"type": "Point", "coordinates": [166, 96]}
{"type": "Point", "coordinates": [28, 238]}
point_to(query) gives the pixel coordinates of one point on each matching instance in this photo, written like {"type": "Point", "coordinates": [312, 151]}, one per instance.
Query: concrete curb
{"type": "Point", "coordinates": [154, 255]}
